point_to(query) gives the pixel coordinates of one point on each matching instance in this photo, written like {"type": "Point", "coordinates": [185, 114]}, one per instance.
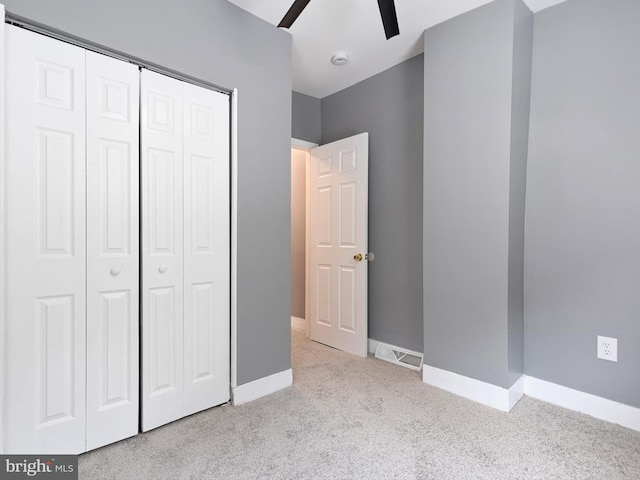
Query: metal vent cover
{"type": "Point", "coordinates": [399, 356]}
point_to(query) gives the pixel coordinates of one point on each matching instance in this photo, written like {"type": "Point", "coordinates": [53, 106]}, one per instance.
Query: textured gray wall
{"type": "Point", "coordinates": [220, 43]}
{"type": "Point", "coordinates": [389, 106]}
{"type": "Point", "coordinates": [469, 74]}
{"type": "Point", "coordinates": [305, 114]}
{"type": "Point", "coordinates": [583, 198]}
{"type": "Point", "coordinates": [298, 233]}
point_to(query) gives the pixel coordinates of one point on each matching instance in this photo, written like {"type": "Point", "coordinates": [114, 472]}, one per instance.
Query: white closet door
{"type": "Point", "coordinates": [185, 249]}
{"type": "Point", "coordinates": [46, 266]}
{"type": "Point", "coordinates": [162, 250]}
{"type": "Point", "coordinates": [112, 249]}
{"type": "Point", "coordinates": [206, 248]}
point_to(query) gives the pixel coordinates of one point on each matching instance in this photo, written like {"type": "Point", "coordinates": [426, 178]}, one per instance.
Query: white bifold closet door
{"type": "Point", "coordinates": [71, 371]}
{"type": "Point", "coordinates": [46, 247]}
{"type": "Point", "coordinates": [113, 258]}
{"type": "Point", "coordinates": [185, 249]}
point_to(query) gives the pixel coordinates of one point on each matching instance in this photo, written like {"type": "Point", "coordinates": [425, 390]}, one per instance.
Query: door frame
{"type": "Point", "coordinates": [2, 221]}
{"type": "Point", "coordinates": [305, 146]}
{"type": "Point", "coordinates": [234, 242]}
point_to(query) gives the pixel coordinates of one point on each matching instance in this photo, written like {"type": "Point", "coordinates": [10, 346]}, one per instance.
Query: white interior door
{"type": "Point", "coordinates": [338, 186]}
{"type": "Point", "coordinates": [185, 249]}
{"type": "Point", "coordinates": [112, 249]}
{"type": "Point", "coordinates": [162, 250]}
{"type": "Point", "coordinates": [206, 248]}
{"type": "Point", "coordinates": [44, 408]}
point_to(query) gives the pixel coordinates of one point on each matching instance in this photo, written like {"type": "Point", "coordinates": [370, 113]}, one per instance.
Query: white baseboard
{"type": "Point", "coordinates": [582, 402]}
{"type": "Point", "coordinates": [262, 387]}
{"type": "Point", "coordinates": [299, 323]}
{"type": "Point", "coordinates": [491, 395]}
{"type": "Point", "coordinates": [372, 345]}
{"type": "Point", "coordinates": [505, 399]}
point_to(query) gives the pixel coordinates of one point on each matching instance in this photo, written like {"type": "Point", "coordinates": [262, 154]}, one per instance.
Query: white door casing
{"type": "Point", "coordinates": [46, 260]}
{"type": "Point", "coordinates": [338, 198]}
{"type": "Point", "coordinates": [112, 249]}
{"type": "Point", "coordinates": [2, 229]}
{"type": "Point", "coordinates": [185, 249]}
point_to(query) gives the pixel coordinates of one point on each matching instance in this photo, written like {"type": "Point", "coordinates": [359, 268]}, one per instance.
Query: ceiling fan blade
{"type": "Point", "coordinates": [293, 13]}
{"type": "Point", "coordinates": [389, 18]}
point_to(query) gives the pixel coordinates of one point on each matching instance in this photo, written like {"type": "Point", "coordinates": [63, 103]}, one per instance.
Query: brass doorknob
{"type": "Point", "coordinates": [358, 257]}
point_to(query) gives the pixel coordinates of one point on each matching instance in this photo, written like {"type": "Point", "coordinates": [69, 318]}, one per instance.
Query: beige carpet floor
{"type": "Point", "coordinates": [352, 418]}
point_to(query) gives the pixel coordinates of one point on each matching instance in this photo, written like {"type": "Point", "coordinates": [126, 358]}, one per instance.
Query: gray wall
{"type": "Point", "coordinates": [218, 42]}
{"type": "Point", "coordinates": [305, 114]}
{"type": "Point", "coordinates": [472, 89]}
{"type": "Point", "coordinates": [583, 198]}
{"type": "Point", "coordinates": [389, 106]}
{"type": "Point", "coordinates": [298, 233]}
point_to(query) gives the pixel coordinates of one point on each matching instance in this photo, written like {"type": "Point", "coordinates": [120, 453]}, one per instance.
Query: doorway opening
{"type": "Point", "coordinates": [329, 269]}
{"type": "Point", "coordinates": [299, 233]}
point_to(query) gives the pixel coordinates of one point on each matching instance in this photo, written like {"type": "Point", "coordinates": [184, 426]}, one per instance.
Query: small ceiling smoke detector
{"type": "Point", "coordinates": [340, 58]}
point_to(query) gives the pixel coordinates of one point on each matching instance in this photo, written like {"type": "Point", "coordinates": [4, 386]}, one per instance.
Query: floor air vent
{"type": "Point", "coordinates": [399, 356]}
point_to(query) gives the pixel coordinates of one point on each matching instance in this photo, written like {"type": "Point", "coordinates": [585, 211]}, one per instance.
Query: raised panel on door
{"type": "Point", "coordinates": [323, 217]}
{"type": "Point", "coordinates": [162, 250]}
{"type": "Point", "coordinates": [44, 404]}
{"type": "Point", "coordinates": [54, 338]}
{"type": "Point", "coordinates": [347, 211]}
{"type": "Point", "coordinates": [206, 248]}
{"type": "Point", "coordinates": [163, 372]}
{"type": "Point", "coordinates": [112, 250]}
{"type": "Point", "coordinates": [323, 311]}
{"type": "Point", "coordinates": [322, 238]}
{"type": "Point", "coordinates": [338, 232]}
{"type": "Point", "coordinates": [347, 299]}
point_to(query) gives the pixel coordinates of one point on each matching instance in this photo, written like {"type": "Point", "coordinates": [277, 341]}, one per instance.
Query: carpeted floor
{"type": "Point", "coordinates": [352, 418]}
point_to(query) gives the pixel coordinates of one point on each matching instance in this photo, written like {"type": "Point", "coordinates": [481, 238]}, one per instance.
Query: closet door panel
{"type": "Point", "coordinates": [112, 249]}
{"type": "Point", "coordinates": [46, 260]}
{"type": "Point", "coordinates": [162, 250]}
{"type": "Point", "coordinates": [206, 242]}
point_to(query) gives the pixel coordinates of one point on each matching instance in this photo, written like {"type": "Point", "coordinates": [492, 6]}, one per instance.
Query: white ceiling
{"type": "Point", "coordinates": [354, 26]}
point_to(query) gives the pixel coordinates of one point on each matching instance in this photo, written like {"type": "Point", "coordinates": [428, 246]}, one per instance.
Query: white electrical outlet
{"type": "Point", "coordinates": [608, 348]}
